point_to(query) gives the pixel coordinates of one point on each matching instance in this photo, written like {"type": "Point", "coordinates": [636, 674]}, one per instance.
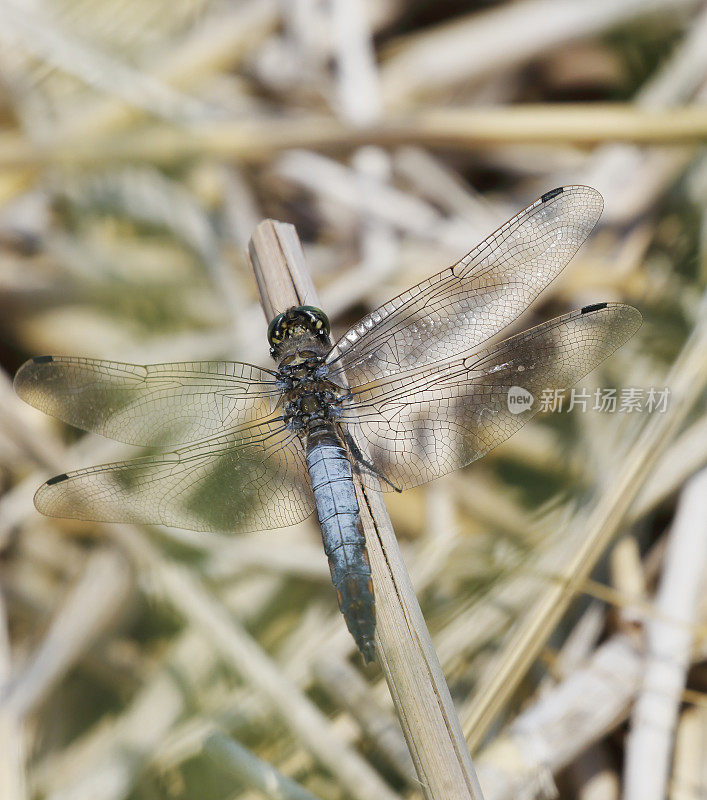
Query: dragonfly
{"type": "Point", "coordinates": [417, 388]}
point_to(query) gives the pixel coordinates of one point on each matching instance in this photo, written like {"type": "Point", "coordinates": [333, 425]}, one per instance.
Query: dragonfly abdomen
{"type": "Point", "coordinates": [342, 534]}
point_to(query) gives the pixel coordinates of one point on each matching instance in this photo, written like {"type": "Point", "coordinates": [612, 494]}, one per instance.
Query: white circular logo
{"type": "Point", "coordinates": [519, 399]}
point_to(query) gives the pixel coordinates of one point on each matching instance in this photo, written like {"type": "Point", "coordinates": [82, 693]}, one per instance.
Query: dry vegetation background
{"type": "Point", "coordinates": [141, 141]}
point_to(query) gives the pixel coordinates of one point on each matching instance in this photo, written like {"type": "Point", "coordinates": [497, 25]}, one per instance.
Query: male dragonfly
{"type": "Point", "coordinates": [419, 387]}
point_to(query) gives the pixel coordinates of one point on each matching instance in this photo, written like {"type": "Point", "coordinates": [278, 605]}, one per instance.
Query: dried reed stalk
{"type": "Point", "coordinates": [222, 41]}
{"type": "Point", "coordinates": [403, 645]}
{"type": "Point", "coordinates": [198, 606]}
{"type": "Point", "coordinates": [252, 770]}
{"type": "Point", "coordinates": [650, 742]}
{"type": "Point", "coordinates": [237, 647]}
{"type": "Point", "coordinates": [551, 733]}
{"type": "Point", "coordinates": [686, 380]}
{"type": "Point", "coordinates": [94, 601]}
{"type": "Point", "coordinates": [12, 738]}
{"type": "Point", "coordinates": [461, 128]}
{"type": "Point", "coordinates": [500, 38]}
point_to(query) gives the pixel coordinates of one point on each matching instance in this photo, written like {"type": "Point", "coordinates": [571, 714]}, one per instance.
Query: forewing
{"type": "Point", "coordinates": [463, 306]}
{"type": "Point", "coordinates": [158, 405]}
{"type": "Point", "coordinates": [253, 478]}
{"type": "Point", "coordinates": [417, 426]}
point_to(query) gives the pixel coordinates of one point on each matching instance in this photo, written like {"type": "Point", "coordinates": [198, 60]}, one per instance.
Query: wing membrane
{"type": "Point", "coordinates": [157, 405]}
{"type": "Point", "coordinates": [253, 478]}
{"type": "Point", "coordinates": [422, 424]}
{"type": "Point", "coordinates": [464, 305]}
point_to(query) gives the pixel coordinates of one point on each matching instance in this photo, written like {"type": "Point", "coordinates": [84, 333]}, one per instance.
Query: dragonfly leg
{"type": "Point", "coordinates": [359, 459]}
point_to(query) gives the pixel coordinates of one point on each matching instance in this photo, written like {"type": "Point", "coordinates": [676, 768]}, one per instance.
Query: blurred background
{"type": "Point", "coordinates": [141, 141]}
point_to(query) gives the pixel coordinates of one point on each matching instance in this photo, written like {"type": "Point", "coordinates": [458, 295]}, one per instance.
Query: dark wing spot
{"type": "Point", "coordinates": [57, 479]}
{"type": "Point", "coordinates": [552, 193]}
{"type": "Point", "coordinates": [595, 307]}
{"type": "Point", "coordinates": [43, 359]}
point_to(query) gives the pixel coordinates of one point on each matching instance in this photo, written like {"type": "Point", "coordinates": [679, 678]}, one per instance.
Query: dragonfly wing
{"type": "Point", "coordinates": [464, 305]}
{"type": "Point", "coordinates": [252, 478]}
{"type": "Point", "coordinates": [417, 426]}
{"type": "Point", "coordinates": [156, 405]}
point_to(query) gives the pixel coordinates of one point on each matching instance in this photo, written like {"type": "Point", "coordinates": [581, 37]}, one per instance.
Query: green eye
{"type": "Point", "coordinates": [319, 319]}
{"type": "Point", "coordinates": [287, 323]}
{"type": "Point", "coordinates": [274, 329]}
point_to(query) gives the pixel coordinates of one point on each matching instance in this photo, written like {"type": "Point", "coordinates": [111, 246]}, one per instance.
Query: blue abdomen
{"type": "Point", "coordinates": [342, 533]}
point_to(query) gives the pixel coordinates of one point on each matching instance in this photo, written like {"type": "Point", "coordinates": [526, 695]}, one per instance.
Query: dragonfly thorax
{"type": "Point", "coordinates": [308, 394]}
{"type": "Point", "coordinates": [311, 401]}
{"type": "Point", "coordinates": [299, 340]}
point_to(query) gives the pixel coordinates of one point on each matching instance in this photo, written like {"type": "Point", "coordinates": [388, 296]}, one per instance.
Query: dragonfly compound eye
{"type": "Point", "coordinates": [298, 321]}
{"type": "Point", "coordinates": [317, 320]}
{"type": "Point", "coordinates": [276, 330]}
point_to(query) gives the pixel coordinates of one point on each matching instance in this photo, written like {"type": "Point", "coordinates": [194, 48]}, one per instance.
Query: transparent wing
{"type": "Point", "coordinates": [419, 425]}
{"type": "Point", "coordinates": [157, 405]}
{"type": "Point", "coordinates": [463, 306]}
{"type": "Point", "coordinates": [253, 478]}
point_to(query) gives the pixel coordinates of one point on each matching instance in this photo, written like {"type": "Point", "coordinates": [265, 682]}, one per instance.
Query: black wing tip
{"type": "Point", "coordinates": [57, 479]}
{"type": "Point", "coordinates": [631, 316]}
{"type": "Point", "coordinates": [623, 308]}
{"type": "Point", "coordinates": [552, 193]}
{"type": "Point", "coordinates": [593, 307]}
{"type": "Point", "coordinates": [25, 376]}
{"type": "Point", "coordinates": [571, 189]}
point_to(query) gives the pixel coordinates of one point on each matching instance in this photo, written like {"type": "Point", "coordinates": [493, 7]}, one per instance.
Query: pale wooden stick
{"type": "Point", "coordinates": [403, 645]}
{"type": "Point", "coordinates": [280, 272]}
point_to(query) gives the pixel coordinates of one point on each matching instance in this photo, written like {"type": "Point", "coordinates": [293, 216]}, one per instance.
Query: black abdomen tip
{"type": "Point", "coordinates": [595, 307]}
{"type": "Point", "coordinates": [552, 193]}
{"type": "Point", "coordinates": [57, 479]}
{"type": "Point", "coordinates": [368, 651]}
{"type": "Point", "coordinates": [42, 359]}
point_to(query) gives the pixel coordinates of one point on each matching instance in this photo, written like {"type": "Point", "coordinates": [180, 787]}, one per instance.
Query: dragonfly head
{"type": "Point", "coordinates": [301, 322]}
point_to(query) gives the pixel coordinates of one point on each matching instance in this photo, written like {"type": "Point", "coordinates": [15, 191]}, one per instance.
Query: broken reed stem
{"type": "Point", "coordinates": [403, 646]}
